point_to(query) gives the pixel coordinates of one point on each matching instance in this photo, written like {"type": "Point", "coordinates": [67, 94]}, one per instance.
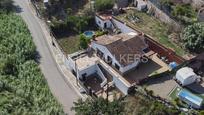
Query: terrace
{"type": "Point", "coordinates": [144, 70]}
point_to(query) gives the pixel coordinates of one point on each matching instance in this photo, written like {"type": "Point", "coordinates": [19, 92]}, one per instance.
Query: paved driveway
{"type": "Point", "coordinates": [63, 91]}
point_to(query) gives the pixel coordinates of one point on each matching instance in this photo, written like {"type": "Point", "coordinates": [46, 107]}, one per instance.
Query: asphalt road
{"type": "Point", "coordinates": [63, 91]}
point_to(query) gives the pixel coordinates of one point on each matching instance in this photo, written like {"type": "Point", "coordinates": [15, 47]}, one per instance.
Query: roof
{"type": "Point", "coordinates": [185, 72]}
{"type": "Point", "coordinates": [104, 15]}
{"type": "Point", "coordinates": [45, 1]}
{"type": "Point", "coordinates": [123, 45]}
{"type": "Point", "coordinates": [191, 97]}
{"type": "Point", "coordinates": [85, 61]}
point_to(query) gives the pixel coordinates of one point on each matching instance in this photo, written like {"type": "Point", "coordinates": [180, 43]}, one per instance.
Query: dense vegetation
{"type": "Point", "coordinates": [99, 106]}
{"type": "Point", "coordinates": [6, 5]}
{"type": "Point", "coordinates": [102, 5]}
{"type": "Point", "coordinates": [181, 11]}
{"type": "Point", "coordinates": [137, 104]}
{"type": "Point", "coordinates": [142, 105]}
{"type": "Point", "coordinates": [23, 89]}
{"type": "Point", "coordinates": [193, 37]}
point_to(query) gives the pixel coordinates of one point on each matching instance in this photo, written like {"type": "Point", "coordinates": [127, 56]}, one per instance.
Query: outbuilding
{"type": "Point", "coordinates": [186, 76]}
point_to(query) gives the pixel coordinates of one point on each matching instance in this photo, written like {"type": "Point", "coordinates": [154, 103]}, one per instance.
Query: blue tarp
{"type": "Point", "coordinates": [173, 65]}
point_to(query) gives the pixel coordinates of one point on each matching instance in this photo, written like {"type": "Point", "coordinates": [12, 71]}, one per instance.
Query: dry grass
{"type": "Point", "coordinates": [70, 44]}
{"type": "Point", "coordinates": [153, 27]}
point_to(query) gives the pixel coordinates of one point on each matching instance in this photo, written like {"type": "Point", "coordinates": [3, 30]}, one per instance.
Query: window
{"type": "Point", "coordinates": [117, 66]}
{"type": "Point", "coordinates": [99, 22]}
{"type": "Point", "coordinates": [109, 60]}
{"type": "Point", "coordinates": [99, 53]}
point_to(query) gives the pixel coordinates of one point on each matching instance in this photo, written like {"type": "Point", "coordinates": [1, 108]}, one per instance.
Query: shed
{"type": "Point", "coordinates": [186, 76]}
{"type": "Point", "coordinates": [140, 4]}
{"type": "Point", "coordinates": [191, 99]}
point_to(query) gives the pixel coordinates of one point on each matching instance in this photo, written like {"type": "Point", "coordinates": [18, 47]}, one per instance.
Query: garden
{"type": "Point", "coordinates": [151, 26]}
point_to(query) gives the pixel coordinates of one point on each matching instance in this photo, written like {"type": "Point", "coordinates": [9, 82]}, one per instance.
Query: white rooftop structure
{"type": "Point", "coordinates": [186, 76]}
{"type": "Point", "coordinates": [45, 1]}
{"type": "Point", "coordinates": [85, 62]}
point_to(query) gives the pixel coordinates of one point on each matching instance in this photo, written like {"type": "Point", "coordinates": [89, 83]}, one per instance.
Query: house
{"type": "Point", "coordinates": [122, 51]}
{"type": "Point", "coordinates": [103, 20]}
{"type": "Point", "coordinates": [191, 99]}
{"type": "Point", "coordinates": [140, 4]}
{"type": "Point", "coordinates": [186, 76]}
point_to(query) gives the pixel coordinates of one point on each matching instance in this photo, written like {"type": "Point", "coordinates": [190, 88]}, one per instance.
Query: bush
{"type": "Point", "coordinates": [184, 13]}
{"type": "Point", "coordinates": [103, 5]}
{"type": "Point", "coordinates": [193, 37]}
{"type": "Point", "coordinates": [84, 41]}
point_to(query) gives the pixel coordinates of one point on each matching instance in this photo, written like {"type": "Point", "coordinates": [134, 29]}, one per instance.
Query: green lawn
{"type": "Point", "coordinates": [174, 93]}
{"type": "Point", "coordinates": [70, 44]}
{"type": "Point", "coordinates": [153, 27]}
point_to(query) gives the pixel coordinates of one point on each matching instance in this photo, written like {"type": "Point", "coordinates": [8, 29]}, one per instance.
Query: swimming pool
{"type": "Point", "coordinates": [89, 34]}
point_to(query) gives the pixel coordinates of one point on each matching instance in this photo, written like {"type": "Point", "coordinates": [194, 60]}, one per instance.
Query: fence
{"type": "Point", "coordinates": [54, 41]}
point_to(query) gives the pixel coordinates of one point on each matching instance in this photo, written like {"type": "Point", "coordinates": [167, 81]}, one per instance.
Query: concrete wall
{"type": "Point", "coordinates": [100, 73]}
{"type": "Point", "coordinates": [70, 63]}
{"type": "Point", "coordinates": [118, 80]}
{"type": "Point", "coordinates": [120, 85]}
{"type": "Point", "coordinates": [90, 70]}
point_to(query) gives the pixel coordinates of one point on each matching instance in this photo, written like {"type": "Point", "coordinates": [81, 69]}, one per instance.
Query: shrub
{"type": "Point", "coordinates": [84, 41]}
{"type": "Point", "coordinates": [103, 5]}
{"type": "Point", "coordinates": [193, 37]}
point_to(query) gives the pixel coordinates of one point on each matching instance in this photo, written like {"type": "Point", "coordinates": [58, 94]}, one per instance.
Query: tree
{"type": "Point", "coordinates": [98, 106]}
{"type": "Point", "coordinates": [103, 5]}
{"type": "Point", "coordinates": [193, 37]}
{"type": "Point", "coordinates": [84, 41]}
{"type": "Point", "coordinates": [185, 13]}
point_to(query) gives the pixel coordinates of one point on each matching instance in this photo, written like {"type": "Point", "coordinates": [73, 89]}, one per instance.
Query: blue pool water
{"type": "Point", "coordinates": [89, 34]}
{"type": "Point", "coordinates": [190, 97]}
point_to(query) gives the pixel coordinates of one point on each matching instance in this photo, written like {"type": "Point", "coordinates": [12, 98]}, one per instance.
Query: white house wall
{"type": "Point", "coordinates": [123, 27]}
{"type": "Point", "coordinates": [101, 22]}
{"type": "Point", "coordinates": [90, 70]}
{"type": "Point", "coordinates": [129, 67]}
{"type": "Point", "coordinates": [120, 85]}
{"type": "Point", "coordinates": [106, 53]}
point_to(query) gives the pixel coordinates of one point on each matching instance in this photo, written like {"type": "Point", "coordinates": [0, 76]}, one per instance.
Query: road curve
{"type": "Point", "coordinates": [63, 91]}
